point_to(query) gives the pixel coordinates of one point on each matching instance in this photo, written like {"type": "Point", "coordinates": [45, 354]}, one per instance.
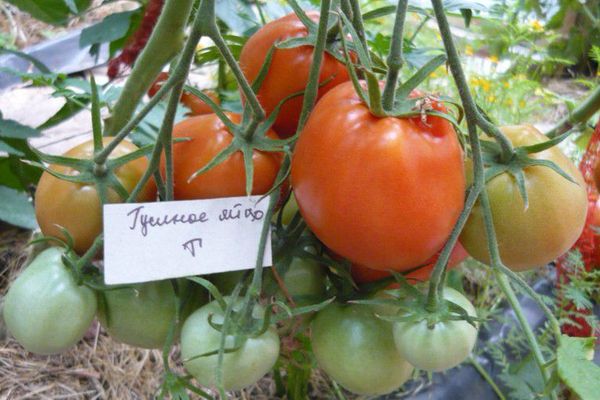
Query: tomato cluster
{"type": "Point", "coordinates": [379, 193]}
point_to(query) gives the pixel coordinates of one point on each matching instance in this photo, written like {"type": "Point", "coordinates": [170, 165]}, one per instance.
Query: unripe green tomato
{"type": "Point", "coordinates": [441, 347]}
{"type": "Point", "coordinates": [44, 309]}
{"type": "Point", "coordinates": [356, 349]}
{"type": "Point", "coordinates": [242, 367]}
{"type": "Point", "coordinates": [141, 314]}
{"type": "Point", "coordinates": [534, 236]}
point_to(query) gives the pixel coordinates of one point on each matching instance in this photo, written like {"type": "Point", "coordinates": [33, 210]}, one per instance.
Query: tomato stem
{"type": "Point", "coordinates": [395, 59]}
{"type": "Point", "coordinates": [211, 29]}
{"type": "Point", "coordinates": [312, 87]}
{"type": "Point", "coordinates": [471, 111]}
{"type": "Point", "coordinates": [163, 44]}
{"type": "Point", "coordinates": [581, 113]}
{"type": "Point", "coordinates": [509, 292]}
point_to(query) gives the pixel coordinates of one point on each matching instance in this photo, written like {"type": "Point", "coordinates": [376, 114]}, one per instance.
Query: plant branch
{"type": "Point", "coordinates": [164, 43]}
{"type": "Point", "coordinates": [395, 60]}
{"type": "Point", "coordinates": [581, 113]}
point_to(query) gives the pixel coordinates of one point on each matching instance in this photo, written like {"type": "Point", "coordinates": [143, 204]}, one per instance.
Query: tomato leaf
{"type": "Point", "coordinates": [422, 74]}
{"type": "Point", "coordinates": [12, 129]}
{"type": "Point", "coordinates": [111, 28]}
{"type": "Point", "coordinates": [575, 369]}
{"type": "Point", "coordinates": [16, 208]}
{"type": "Point", "coordinates": [55, 12]}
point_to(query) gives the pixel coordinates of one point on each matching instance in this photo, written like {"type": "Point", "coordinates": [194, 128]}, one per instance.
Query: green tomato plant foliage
{"type": "Point", "coordinates": [243, 363]}
{"type": "Point", "coordinates": [357, 349]}
{"type": "Point", "coordinates": [45, 309]}
{"type": "Point", "coordinates": [437, 346]}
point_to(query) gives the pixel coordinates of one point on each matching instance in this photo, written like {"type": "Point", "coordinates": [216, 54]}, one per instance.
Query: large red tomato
{"type": "Point", "coordinates": [288, 70]}
{"type": "Point", "coordinates": [381, 192]}
{"type": "Point", "coordinates": [363, 274]}
{"type": "Point", "coordinates": [208, 136]}
{"type": "Point", "coordinates": [191, 101]}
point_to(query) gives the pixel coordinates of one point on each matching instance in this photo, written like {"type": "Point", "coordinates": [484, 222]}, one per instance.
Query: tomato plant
{"type": "Point", "coordinates": [357, 349]}
{"type": "Point", "coordinates": [44, 309]}
{"type": "Point", "coordinates": [288, 70]}
{"type": "Point", "coordinates": [533, 236]}
{"type": "Point", "coordinates": [208, 136]}
{"type": "Point", "coordinates": [241, 367]}
{"type": "Point", "coordinates": [76, 207]}
{"type": "Point", "coordinates": [141, 314]}
{"type": "Point", "coordinates": [439, 345]}
{"type": "Point", "coordinates": [390, 193]}
{"type": "Point", "coordinates": [362, 274]}
{"type": "Point", "coordinates": [194, 103]}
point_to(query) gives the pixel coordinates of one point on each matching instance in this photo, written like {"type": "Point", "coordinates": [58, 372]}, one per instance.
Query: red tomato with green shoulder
{"type": "Point", "coordinates": [381, 192]}
{"type": "Point", "coordinates": [288, 70]}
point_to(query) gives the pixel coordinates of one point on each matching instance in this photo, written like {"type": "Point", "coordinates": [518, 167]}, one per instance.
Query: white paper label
{"type": "Point", "coordinates": [153, 241]}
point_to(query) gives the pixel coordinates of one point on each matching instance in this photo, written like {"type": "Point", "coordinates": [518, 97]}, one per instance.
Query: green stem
{"type": "Point", "coordinates": [312, 88]}
{"type": "Point", "coordinates": [461, 82]}
{"type": "Point", "coordinates": [487, 378]}
{"type": "Point", "coordinates": [166, 136]}
{"type": "Point", "coordinates": [395, 60]}
{"type": "Point", "coordinates": [418, 29]}
{"type": "Point", "coordinates": [508, 291]}
{"type": "Point", "coordinates": [581, 113]}
{"type": "Point", "coordinates": [357, 22]}
{"type": "Point", "coordinates": [211, 29]}
{"type": "Point", "coordinates": [163, 44]}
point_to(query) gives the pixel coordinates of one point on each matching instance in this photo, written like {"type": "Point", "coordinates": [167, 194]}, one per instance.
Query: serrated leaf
{"type": "Point", "coordinates": [575, 369]}
{"type": "Point", "coordinates": [16, 208]}
{"type": "Point", "coordinates": [113, 27]}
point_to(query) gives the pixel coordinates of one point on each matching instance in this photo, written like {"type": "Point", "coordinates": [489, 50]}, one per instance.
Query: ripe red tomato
{"type": "Point", "coordinates": [194, 103]}
{"type": "Point", "coordinates": [75, 206]}
{"type": "Point", "coordinates": [362, 274]}
{"type": "Point", "coordinates": [381, 192]}
{"type": "Point", "coordinates": [208, 137]}
{"type": "Point", "coordinates": [288, 70]}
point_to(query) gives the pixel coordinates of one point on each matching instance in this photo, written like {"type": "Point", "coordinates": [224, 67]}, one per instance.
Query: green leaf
{"type": "Point", "coordinates": [422, 74]}
{"type": "Point", "coordinates": [12, 129]}
{"type": "Point", "coordinates": [16, 208]}
{"type": "Point", "coordinates": [7, 148]}
{"type": "Point", "coordinates": [113, 27]}
{"type": "Point", "coordinates": [575, 369]}
{"type": "Point", "coordinates": [55, 12]}
{"type": "Point", "coordinates": [467, 15]}
{"type": "Point", "coordinates": [69, 109]}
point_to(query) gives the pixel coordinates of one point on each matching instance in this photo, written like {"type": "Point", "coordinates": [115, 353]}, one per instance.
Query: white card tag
{"type": "Point", "coordinates": [153, 241]}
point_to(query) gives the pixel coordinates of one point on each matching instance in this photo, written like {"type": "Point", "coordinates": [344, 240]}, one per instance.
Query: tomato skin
{"type": "Point", "coordinates": [76, 207]}
{"type": "Point", "coordinates": [548, 228]}
{"type": "Point", "coordinates": [242, 367]}
{"type": "Point", "coordinates": [288, 70]}
{"type": "Point", "coordinates": [44, 309]}
{"type": "Point", "coordinates": [444, 346]}
{"type": "Point", "coordinates": [194, 103]}
{"type": "Point", "coordinates": [348, 167]}
{"type": "Point", "coordinates": [362, 274]}
{"type": "Point", "coordinates": [208, 137]}
{"type": "Point", "coordinates": [141, 315]}
{"type": "Point", "coordinates": [357, 349]}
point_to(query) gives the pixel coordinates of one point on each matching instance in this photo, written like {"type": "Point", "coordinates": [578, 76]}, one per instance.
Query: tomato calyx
{"type": "Point", "coordinates": [516, 164]}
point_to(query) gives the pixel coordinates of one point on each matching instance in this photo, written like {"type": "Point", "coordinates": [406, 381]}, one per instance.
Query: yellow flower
{"type": "Point", "coordinates": [469, 50]}
{"type": "Point", "coordinates": [536, 25]}
{"type": "Point", "coordinates": [474, 81]}
{"type": "Point", "coordinates": [522, 104]}
{"type": "Point", "coordinates": [506, 84]}
{"type": "Point", "coordinates": [508, 102]}
{"type": "Point", "coordinates": [491, 98]}
{"type": "Point", "coordinates": [493, 59]}
{"type": "Point", "coordinates": [485, 85]}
